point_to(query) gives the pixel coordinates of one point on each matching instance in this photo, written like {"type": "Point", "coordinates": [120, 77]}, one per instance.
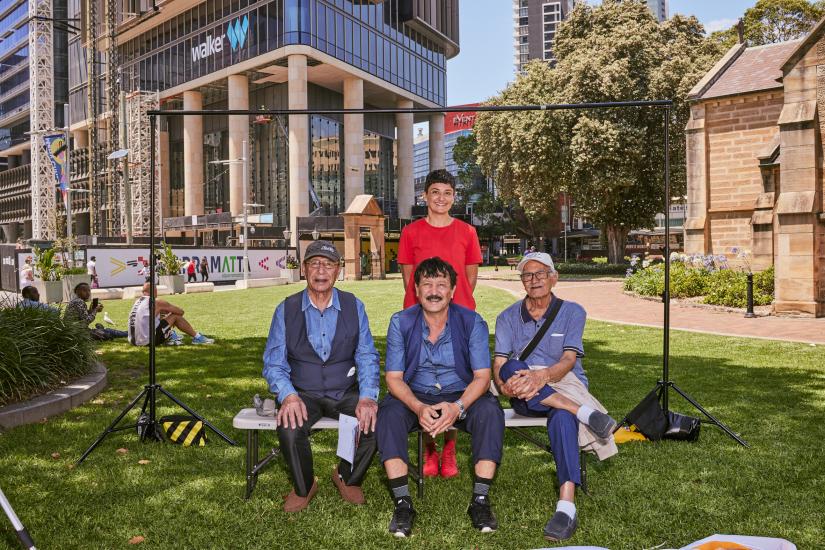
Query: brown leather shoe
{"type": "Point", "coordinates": [351, 493]}
{"type": "Point", "coordinates": [294, 503]}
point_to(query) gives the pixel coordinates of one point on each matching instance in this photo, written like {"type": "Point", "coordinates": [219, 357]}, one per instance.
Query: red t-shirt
{"type": "Point", "coordinates": [456, 244]}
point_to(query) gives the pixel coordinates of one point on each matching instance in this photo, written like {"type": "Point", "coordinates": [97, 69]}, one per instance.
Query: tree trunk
{"type": "Point", "coordinates": [616, 237]}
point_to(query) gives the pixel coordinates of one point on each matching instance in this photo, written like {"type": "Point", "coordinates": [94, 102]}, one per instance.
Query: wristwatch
{"type": "Point", "coordinates": [462, 414]}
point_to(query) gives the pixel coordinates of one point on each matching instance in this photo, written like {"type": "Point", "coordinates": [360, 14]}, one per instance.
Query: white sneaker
{"type": "Point", "coordinates": [201, 339]}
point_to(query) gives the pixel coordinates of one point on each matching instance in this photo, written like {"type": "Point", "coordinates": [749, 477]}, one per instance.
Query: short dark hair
{"type": "Point", "coordinates": [93, 259]}
{"type": "Point", "coordinates": [78, 285]}
{"type": "Point", "coordinates": [29, 292]}
{"type": "Point", "coordinates": [439, 176]}
{"type": "Point", "coordinates": [435, 267]}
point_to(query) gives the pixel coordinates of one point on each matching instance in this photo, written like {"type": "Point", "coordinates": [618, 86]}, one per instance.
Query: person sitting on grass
{"type": "Point", "coordinates": [438, 377]}
{"type": "Point", "coordinates": [78, 311]}
{"type": "Point", "coordinates": [167, 318]}
{"type": "Point", "coordinates": [320, 360]}
{"type": "Point", "coordinates": [31, 298]}
{"type": "Point", "coordinates": [556, 359]}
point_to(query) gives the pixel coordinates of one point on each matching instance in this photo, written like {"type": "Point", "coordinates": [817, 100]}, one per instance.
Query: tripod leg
{"type": "Point", "coordinates": [19, 528]}
{"type": "Point", "coordinates": [111, 426]}
{"type": "Point", "coordinates": [151, 430]}
{"type": "Point", "coordinates": [713, 419]}
{"type": "Point", "coordinates": [208, 424]}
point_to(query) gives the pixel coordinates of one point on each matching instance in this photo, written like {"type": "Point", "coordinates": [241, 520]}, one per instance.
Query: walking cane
{"type": "Point", "coordinates": [22, 534]}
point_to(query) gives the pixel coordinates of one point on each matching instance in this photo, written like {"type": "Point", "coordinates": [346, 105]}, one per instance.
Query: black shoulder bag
{"type": "Point", "coordinates": [551, 316]}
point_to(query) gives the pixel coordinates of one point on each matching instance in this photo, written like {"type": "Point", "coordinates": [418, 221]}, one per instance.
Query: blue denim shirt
{"type": "Point", "coordinates": [436, 372]}
{"type": "Point", "coordinates": [320, 333]}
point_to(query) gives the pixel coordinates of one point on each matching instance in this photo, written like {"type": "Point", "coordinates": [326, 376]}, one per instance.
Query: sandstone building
{"type": "Point", "coordinates": [755, 165]}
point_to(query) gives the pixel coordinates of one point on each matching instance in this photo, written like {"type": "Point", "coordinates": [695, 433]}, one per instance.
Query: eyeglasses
{"type": "Point", "coordinates": [528, 276]}
{"type": "Point", "coordinates": [318, 265]}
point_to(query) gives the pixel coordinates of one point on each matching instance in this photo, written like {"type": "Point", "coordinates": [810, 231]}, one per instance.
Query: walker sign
{"type": "Point", "coordinates": [237, 31]}
{"type": "Point", "coordinates": [119, 267]}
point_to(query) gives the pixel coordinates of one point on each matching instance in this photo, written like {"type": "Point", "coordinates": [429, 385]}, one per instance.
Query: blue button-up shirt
{"type": "Point", "coordinates": [515, 327]}
{"type": "Point", "coordinates": [320, 333]}
{"type": "Point", "coordinates": [436, 371]}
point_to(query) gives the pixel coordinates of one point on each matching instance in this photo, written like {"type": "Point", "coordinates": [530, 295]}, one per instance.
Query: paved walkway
{"type": "Point", "coordinates": [605, 301]}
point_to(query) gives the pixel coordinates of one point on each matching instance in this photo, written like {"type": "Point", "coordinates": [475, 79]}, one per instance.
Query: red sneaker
{"type": "Point", "coordinates": [430, 462]}
{"type": "Point", "coordinates": [448, 466]}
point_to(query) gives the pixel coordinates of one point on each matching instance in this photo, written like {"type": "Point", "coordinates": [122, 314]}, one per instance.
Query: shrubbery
{"type": "Point", "coordinates": [723, 287]}
{"type": "Point", "coordinates": [576, 268]}
{"type": "Point", "coordinates": [39, 351]}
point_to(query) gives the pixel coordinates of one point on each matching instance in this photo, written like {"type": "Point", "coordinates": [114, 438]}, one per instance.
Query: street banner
{"type": "Point", "coordinates": [8, 267]}
{"type": "Point", "coordinates": [120, 267]}
{"type": "Point", "coordinates": [56, 150]}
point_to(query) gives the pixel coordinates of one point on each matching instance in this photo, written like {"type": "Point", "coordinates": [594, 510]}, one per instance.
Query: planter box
{"type": "Point", "coordinates": [71, 281]}
{"type": "Point", "coordinates": [292, 275]}
{"type": "Point", "coordinates": [50, 291]}
{"type": "Point", "coordinates": [173, 282]}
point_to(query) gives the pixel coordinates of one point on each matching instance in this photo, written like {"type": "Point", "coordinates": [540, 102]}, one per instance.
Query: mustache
{"type": "Point", "coordinates": [433, 298]}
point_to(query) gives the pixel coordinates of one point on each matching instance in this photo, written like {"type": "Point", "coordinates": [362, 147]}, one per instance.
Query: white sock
{"type": "Point", "coordinates": [584, 414]}
{"type": "Point", "coordinates": [199, 335]}
{"type": "Point", "coordinates": [566, 507]}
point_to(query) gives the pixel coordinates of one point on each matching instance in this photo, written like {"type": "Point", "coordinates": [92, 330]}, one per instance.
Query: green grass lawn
{"type": "Point", "coordinates": [650, 494]}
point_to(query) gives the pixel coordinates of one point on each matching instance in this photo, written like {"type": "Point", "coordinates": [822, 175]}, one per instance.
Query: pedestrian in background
{"type": "Point", "coordinates": [204, 270]}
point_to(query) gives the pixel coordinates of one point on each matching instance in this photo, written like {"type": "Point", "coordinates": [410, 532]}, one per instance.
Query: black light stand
{"type": "Point", "coordinates": [148, 426]}
{"type": "Point", "coordinates": [665, 384]}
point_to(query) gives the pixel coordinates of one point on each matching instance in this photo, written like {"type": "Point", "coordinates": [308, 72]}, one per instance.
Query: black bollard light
{"type": "Point", "coordinates": [749, 313]}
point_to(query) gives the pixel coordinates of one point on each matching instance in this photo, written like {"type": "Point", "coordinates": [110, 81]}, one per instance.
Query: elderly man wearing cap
{"type": "Point", "coordinates": [320, 360]}
{"type": "Point", "coordinates": [526, 377]}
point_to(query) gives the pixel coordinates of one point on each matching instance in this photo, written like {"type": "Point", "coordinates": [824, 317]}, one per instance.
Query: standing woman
{"type": "Point", "coordinates": [454, 241]}
{"type": "Point", "coordinates": [204, 270]}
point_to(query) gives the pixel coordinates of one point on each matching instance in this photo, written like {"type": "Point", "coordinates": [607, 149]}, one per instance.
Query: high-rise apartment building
{"type": "Point", "coordinates": [659, 9]}
{"type": "Point", "coordinates": [535, 25]}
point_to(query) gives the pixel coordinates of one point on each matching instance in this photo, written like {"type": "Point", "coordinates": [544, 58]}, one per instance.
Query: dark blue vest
{"type": "Point", "coordinates": [461, 321]}
{"type": "Point", "coordinates": [309, 373]}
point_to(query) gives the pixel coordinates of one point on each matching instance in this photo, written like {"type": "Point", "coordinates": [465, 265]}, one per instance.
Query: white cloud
{"type": "Point", "coordinates": [719, 25]}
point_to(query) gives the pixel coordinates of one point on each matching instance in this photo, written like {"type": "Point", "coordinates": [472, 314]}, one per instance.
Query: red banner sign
{"type": "Point", "coordinates": [455, 122]}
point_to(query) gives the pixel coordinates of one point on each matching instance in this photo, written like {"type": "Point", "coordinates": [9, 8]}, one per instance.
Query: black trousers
{"type": "Point", "coordinates": [298, 454]}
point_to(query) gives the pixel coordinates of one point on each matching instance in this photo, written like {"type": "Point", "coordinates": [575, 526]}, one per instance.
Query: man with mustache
{"type": "Point", "coordinates": [455, 242]}
{"type": "Point", "coordinates": [556, 359]}
{"type": "Point", "coordinates": [438, 376]}
{"type": "Point", "coordinates": [320, 360]}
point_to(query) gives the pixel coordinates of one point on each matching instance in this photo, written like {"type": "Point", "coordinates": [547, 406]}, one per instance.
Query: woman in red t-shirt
{"type": "Point", "coordinates": [455, 242]}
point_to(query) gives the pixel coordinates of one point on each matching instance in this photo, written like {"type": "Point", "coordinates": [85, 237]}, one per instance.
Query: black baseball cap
{"type": "Point", "coordinates": [324, 249]}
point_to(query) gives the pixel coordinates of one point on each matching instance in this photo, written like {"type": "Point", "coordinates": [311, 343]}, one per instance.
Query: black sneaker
{"type": "Point", "coordinates": [481, 514]}
{"type": "Point", "coordinates": [402, 518]}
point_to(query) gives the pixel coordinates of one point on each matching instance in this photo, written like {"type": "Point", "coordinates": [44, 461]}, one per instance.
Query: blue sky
{"type": "Point", "coordinates": [485, 64]}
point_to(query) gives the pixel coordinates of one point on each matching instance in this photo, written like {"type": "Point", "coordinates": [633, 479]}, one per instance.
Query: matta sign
{"type": "Point", "coordinates": [455, 122]}
{"type": "Point", "coordinates": [119, 267]}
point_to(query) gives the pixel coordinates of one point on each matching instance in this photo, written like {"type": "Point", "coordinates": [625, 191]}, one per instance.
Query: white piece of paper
{"type": "Point", "coordinates": [347, 437]}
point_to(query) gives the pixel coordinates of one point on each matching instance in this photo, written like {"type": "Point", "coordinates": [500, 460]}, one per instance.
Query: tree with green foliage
{"type": "Point", "coordinates": [771, 21]}
{"type": "Point", "coordinates": [497, 217]}
{"type": "Point", "coordinates": [610, 160]}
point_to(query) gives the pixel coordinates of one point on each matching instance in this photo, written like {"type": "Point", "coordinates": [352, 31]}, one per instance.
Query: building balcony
{"type": "Point", "coordinates": [11, 116]}
{"type": "Point", "coordinates": [17, 90]}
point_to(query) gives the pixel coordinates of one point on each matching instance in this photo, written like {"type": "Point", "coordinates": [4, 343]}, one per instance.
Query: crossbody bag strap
{"type": "Point", "coordinates": [551, 316]}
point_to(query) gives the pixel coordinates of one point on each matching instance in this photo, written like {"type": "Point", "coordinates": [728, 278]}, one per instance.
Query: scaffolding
{"type": "Point", "coordinates": [41, 100]}
{"type": "Point", "coordinates": [138, 104]}
{"type": "Point", "coordinates": [114, 180]}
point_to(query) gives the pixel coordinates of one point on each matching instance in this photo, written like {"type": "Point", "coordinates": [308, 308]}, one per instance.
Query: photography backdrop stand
{"type": "Point", "coordinates": [147, 424]}
{"type": "Point", "coordinates": [665, 384]}
{"type": "Point", "coordinates": [151, 431]}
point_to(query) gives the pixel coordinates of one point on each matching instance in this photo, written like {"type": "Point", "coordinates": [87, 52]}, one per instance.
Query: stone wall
{"type": "Point", "coordinates": [725, 138]}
